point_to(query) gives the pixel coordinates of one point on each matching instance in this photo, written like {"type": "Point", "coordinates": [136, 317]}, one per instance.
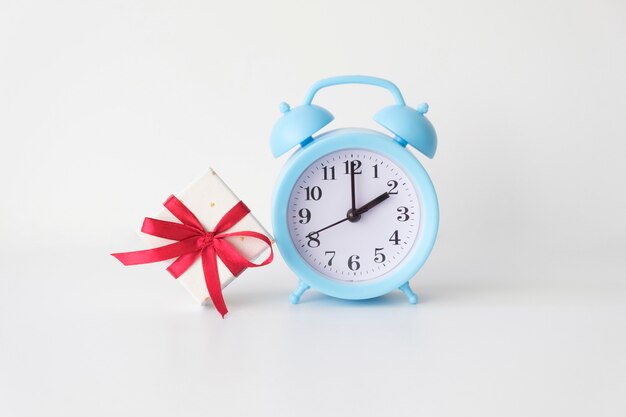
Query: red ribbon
{"type": "Point", "coordinates": [194, 241]}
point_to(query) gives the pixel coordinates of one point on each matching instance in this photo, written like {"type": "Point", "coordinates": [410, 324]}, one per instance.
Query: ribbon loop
{"type": "Point", "coordinates": [193, 241]}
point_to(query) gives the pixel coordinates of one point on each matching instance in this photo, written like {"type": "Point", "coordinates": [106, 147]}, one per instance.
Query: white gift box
{"type": "Point", "coordinates": [209, 198]}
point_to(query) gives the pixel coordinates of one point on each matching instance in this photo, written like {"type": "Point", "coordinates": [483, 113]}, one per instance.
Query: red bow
{"type": "Point", "coordinates": [194, 241]}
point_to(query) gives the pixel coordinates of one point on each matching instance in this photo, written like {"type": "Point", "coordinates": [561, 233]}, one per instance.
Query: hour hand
{"type": "Point", "coordinates": [373, 203]}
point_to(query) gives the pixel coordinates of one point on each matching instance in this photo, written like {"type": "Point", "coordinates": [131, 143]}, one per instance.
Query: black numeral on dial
{"type": "Point", "coordinates": [329, 173]}
{"type": "Point", "coordinates": [353, 166]}
{"type": "Point", "coordinates": [394, 239]}
{"type": "Point", "coordinates": [314, 240]}
{"type": "Point", "coordinates": [379, 257]}
{"type": "Point", "coordinates": [393, 184]}
{"type": "Point", "coordinates": [305, 215]}
{"type": "Point", "coordinates": [332, 256]}
{"type": "Point", "coordinates": [313, 193]}
{"type": "Point", "coordinates": [404, 214]}
{"type": "Point", "coordinates": [353, 262]}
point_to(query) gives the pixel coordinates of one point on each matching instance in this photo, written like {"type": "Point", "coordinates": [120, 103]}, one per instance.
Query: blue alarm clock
{"type": "Point", "coordinates": [355, 214]}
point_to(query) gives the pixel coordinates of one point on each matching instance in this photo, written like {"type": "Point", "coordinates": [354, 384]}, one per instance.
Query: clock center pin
{"type": "Point", "coordinates": [353, 216]}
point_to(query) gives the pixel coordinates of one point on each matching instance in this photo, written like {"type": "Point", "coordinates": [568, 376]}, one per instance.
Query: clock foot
{"type": "Point", "coordinates": [297, 293]}
{"type": "Point", "coordinates": [410, 295]}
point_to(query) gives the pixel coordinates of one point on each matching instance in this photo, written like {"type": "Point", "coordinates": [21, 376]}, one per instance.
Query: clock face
{"type": "Point", "coordinates": [360, 238]}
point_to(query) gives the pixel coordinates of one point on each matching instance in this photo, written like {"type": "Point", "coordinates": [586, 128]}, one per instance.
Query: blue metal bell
{"type": "Point", "coordinates": [410, 126]}
{"type": "Point", "coordinates": [297, 125]}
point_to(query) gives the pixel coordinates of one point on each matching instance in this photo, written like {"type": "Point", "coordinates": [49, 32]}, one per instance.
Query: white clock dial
{"type": "Point", "coordinates": [360, 245]}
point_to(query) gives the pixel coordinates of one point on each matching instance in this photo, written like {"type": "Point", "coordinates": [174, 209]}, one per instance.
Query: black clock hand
{"type": "Point", "coordinates": [352, 190]}
{"type": "Point", "coordinates": [327, 227]}
{"type": "Point", "coordinates": [372, 203]}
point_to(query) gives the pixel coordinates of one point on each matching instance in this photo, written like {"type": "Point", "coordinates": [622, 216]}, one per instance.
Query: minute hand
{"type": "Point", "coordinates": [327, 227]}
{"type": "Point", "coordinates": [372, 203]}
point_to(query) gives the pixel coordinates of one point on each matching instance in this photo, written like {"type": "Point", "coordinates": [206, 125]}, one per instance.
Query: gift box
{"type": "Point", "coordinates": [211, 235]}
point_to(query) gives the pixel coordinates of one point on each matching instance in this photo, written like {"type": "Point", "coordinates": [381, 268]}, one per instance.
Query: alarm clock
{"type": "Point", "coordinates": [355, 214]}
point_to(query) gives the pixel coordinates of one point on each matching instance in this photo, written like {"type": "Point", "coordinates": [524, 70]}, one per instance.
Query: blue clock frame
{"type": "Point", "coordinates": [410, 128]}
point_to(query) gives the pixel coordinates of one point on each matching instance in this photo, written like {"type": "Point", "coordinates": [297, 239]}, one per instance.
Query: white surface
{"type": "Point", "coordinates": [108, 107]}
{"type": "Point", "coordinates": [488, 338]}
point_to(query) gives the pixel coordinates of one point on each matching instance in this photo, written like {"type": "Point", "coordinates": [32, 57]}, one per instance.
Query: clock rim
{"type": "Point", "coordinates": [351, 138]}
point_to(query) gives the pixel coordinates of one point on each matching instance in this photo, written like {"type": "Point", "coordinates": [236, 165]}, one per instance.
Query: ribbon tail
{"type": "Point", "coordinates": [161, 253]}
{"type": "Point", "coordinates": [234, 261]}
{"type": "Point", "coordinates": [182, 263]}
{"type": "Point", "coordinates": [212, 279]}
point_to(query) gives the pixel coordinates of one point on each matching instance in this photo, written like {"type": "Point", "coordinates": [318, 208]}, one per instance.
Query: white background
{"type": "Point", "coordinates": [108, 107]}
